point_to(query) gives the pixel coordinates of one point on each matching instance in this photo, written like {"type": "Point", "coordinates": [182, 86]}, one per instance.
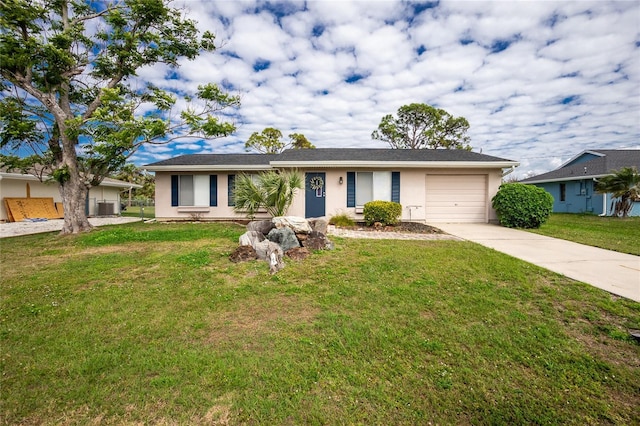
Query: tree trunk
{"type": "Point", "coordinates": [74, 197]}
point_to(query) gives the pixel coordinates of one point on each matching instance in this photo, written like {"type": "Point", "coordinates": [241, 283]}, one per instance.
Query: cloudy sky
{"type": "Point", "coordinates": [538, 81]}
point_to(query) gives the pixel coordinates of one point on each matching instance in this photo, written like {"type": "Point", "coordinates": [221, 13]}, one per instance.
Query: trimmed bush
{"type": "Point", "coordinates": [385, 212]}
{"type": "Point", "coordinates": [522, 206]}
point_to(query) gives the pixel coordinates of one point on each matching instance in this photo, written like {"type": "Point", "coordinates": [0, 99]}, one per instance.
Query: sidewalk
{"type": "Point", "coordinates": [14, 229]}
{"type": "Point", "coordinates": [617, 273]}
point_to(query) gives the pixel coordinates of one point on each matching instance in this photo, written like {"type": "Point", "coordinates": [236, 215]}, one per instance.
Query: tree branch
{"type": "Point", "coordinates": [79, 19]}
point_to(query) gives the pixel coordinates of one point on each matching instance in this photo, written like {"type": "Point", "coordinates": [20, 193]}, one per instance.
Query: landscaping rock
{"type": "Point", "coordinates": [298, 225]}
{"type": "Point", "coordinates": [318, 241]}
{"type": "Point", "coordinates": [243, 254]}
{"type": "Point", "coordinates": [319, 224]}
{"type": "Point", "coordinates": [284, 237]}
{"type": "Point", "coordinates": [262, 226]}
{"type": "Point", "coordinates": [302, 237]}
{"type": "Point", "coordinates": [265, 247]}
{"type": "Point", "coordinates": [251, 238]}
{"type": "Point", "coordinates": [298, 253]}
{"type": "Point", "coordinates": [272, 253]}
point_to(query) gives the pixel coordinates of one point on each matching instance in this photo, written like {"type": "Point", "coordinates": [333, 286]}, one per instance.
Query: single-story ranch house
{"type": "Point", "coordinates": [432, 185]}
{"type": "Point", "coordinates": [102, 200]}
{"type": "Point", "coordinates": [572, 185]}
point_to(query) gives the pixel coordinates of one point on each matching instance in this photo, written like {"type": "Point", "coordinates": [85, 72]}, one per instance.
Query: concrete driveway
{"type": "Point", "coordinates": [617, 273]}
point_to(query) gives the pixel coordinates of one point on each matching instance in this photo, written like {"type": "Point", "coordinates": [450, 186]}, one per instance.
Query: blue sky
{"type": "Point", "coordinates": [538, 81]}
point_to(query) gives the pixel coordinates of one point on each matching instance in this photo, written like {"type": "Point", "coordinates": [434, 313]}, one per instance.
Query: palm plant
{"type": "Point", "coordinates": [271, 190]}
{"type": "Point", "coordinates": [624, 185]}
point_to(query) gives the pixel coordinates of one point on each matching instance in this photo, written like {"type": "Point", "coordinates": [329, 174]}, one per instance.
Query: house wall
{"type": "Point", "coordinates": [223, 211]}
{"type": "Point", "coordinates": [103, 194]}
{"type": "Point", "coordinates": [580, 196]}
{"type": "Point", "coordinates": [582, 159]}
{"type": "Point", "coordinates": [412, 193]}
{"type": "Point", "coordinates": [17, 188]}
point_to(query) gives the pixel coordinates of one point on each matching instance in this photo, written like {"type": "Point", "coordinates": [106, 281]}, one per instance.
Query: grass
{"type": "Point", "coordinates": [151, 323]}
{"type": "Point", "coordinates": [611, 233]}
{"type": "Point", "coordinates": [134, 211]}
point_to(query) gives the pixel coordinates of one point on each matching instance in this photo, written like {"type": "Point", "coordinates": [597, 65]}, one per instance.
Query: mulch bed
{"type": "Point", "coordinates": [406, 227]}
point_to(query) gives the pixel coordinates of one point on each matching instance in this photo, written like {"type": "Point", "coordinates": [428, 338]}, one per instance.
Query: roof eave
{"type": "Point", "coordinates": [125, 185]}
{"type": "Point", "coordinates": [18, 176]}
{"type": "Point", "coordinates": [29, 177]}
{"type": "Point", "coordinates": [397, 164]}
{"type": "Point", "coordinates": [567, 179]}
{"type": "Point", "coordinates": [207, 168]}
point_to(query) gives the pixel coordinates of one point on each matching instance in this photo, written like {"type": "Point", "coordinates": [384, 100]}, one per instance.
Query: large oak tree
{"type": "Point", "coordinates": [421, 126]}
{"type": "Point", "coordinates": [70, 101]}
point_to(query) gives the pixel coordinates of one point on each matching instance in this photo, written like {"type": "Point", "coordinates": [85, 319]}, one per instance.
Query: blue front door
{"type": "Point", "coordinates": [314, 194]}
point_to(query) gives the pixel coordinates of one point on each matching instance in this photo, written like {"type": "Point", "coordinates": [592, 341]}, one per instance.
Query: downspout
{"type": "Point", "coordinates": [509, 171]}
{"type": "Point", "coordinates": [604, 202]}
{"type": "Point", "coordinates": [604, 205]}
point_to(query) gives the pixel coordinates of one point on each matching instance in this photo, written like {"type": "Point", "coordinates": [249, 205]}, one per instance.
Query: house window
{"type": "Point", "coordinates": [231, 186]}
{"type": "Point", "coordinates": [194, 190]}
{"type": "Point", "coordinates": [186, 190]}
{"type": "Point", "coordinates": [363, 187]}
{"type": "Point", "coordinates": [563, 192]}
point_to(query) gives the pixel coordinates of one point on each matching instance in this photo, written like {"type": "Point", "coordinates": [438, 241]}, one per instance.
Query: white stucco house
{"type": "Point", "coordinates": [433, 186]}
{"type": "Point", "coordinates": [104, 199]}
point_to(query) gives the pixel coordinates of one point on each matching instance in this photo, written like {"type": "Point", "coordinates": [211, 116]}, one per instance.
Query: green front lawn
{"type": "Point", "coordinates": [151, 323]}
{"type": "Point", "coordinates": [611, 233]}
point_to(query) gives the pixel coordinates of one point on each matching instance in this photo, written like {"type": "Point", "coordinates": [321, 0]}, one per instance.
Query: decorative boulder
{"type": "Point", "coordinates": [262, 226]}
{"type": "Point", "coordinates": [243, 254]}
{"type": "Point", "coordinates": [298, 225]}
{"type": "Point", "coordinates": [266, 246]}
{"type": "Point", "coordinates": [285, 237]}
{"type": "Point", "coordinates": [318, 241]}
{"type": "Point", "coordinates": [319, 224]}
{"type": "Point", "coordinates": [298, 253]}
{"type": "Point", "coordinates": [272, 253]}
{"type": "Point", "coordinates": [251, 238]}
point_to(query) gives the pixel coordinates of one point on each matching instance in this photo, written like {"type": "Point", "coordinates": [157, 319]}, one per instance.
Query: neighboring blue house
{"type": "Point", "coordinates": [572, 184]}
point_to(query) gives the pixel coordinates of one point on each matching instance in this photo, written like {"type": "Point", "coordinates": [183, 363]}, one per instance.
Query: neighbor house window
{"type": "Point", "coordinates": [363, 187]}
{"type": "Point", "coordinates": [563, 192]}
{"type": "Point", "coordinates": [194, 190]}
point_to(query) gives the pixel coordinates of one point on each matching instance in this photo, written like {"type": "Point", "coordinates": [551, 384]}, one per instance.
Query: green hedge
{"type": "Point", "coordinates": [522, 206]}
{"type": "Point", "coordinates": [385, 212]}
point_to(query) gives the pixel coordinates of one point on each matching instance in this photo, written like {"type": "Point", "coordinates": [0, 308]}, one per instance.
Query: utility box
{"type": "Point", "coordinates": [106, 209]}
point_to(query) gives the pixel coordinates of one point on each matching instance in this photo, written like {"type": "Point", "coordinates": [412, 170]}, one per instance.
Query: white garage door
{"type": "Point", "coordinates": [456, 198]}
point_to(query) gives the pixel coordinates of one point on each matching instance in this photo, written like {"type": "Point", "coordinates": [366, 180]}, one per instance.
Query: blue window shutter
{"type": "Point", "coordinates": [174, 190]}
{"type": "Point", "coordinates": [213, 190]}
{"type": "Point", "coordinates": [351, 189]}
{"type": "Point", "coordinates": [231, 179]}
{"type": "Point", "coordinates": [395, 187]}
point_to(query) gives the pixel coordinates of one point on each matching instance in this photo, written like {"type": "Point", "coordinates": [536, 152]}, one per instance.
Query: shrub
{"type": "Point", "coordinates": [385, 212]}
{"type": "Point", "coordinates": [342, 219]}
{"type": "Point", "coordinates": [522, 206]}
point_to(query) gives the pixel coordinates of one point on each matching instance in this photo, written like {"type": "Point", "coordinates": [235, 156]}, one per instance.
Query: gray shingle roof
{"type": "Point", "coordinates": [325, 155]}
{"type": "Point", "coordinates": [365, 154]}
{"type": "Point", "coordinates": [612, 159]}
{"type": "Point", "coordinates": [217, 160]}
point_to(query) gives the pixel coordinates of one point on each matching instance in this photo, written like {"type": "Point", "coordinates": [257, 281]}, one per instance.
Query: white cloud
{"type": "Point", "coordinates": [538, 81]}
